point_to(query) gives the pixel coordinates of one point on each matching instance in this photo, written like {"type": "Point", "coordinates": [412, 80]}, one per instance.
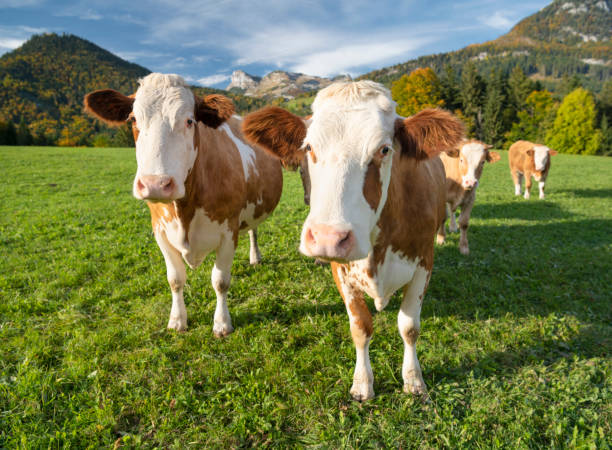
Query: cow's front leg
{"type": "Point", "coordinates": [221, 275]}
{"type": "Point", "coordinates": [527, 185]}
{"type": "Point", "coordinates": [541, 186]}
{"type": "Point", "coordinates": [255, 255]}
{"type": "Point", "coordinates": [361, 331]}
{"type": "Point", "coordinates": [409, 325]}
{"type": "Point", "coordinates": [441, 236]}
{"type": "Point", "coordinates": [464, 221]}
{"type": "Point", "coordinates": [517, 177]}
{"type": "Point", "coordinates": [452, 226]}
{"type": "Point", "coordinates": [175, 272]}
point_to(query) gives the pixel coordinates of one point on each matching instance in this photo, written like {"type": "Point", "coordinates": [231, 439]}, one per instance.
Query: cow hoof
{"type": "Point", "coordinates": [255, 261]}
{"type": "Point", "coordinates": [177, 324]}
{"type": "Point", "coordinates": [541, 197]}
{"type": "Point", "coordinates": [440, 239]}
{"type": "Point", "coordinates": [452, 229]}
{"type": "Point", "coordinates": [320, 262]}
{"type": "Point", "coordinates": [526, 196]}
{"type": "Point", "coordinates": [254, 258]}
{"type": "Point", "coordinates": [464, 250]}
{"type": "Point", "coordinates": [418, 389]}
{"type": "Point", "coordinates": [222, 331]}
{"type": "Point", "coordinates": [362, 392]}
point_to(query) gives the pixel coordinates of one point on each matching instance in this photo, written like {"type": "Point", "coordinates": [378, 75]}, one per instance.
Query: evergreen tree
{"type": "Point", "coordinates": [449, 89]}
{"type": "Point", "coordinates": [472, 93]}
{"type": "Point", "coordinates": [534, 119]}
{"type": "Point", "coordinates": [519, 88]}
{"type": "Point", "coordinates": [574, 128]}
{"type": "Point", "coordinates": [606, 137]}
{"type": "Point", "coordinates": [421, 89]}
{"type": "Point", "coordinates": [8, 134]}
{"type": "Point", "coordinates": [493, 126]}
{"type": "Point", "coordinates": [24, 137]}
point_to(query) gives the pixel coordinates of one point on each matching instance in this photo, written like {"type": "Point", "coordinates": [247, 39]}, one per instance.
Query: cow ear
{"type": "Point", "coordinates": [530, 152]}
{"type": "Point", "coordinates": [488, 146]}
{"type": "Point", "coordinates": [213, 110]}
{"type": "Point", "coordinates": [493, 157]}
{"type": "Point", "coordinates": [552, 152]}
{"type": "Point", "coordinates": [428, 133]}
{"type": "Point", "coordinates": [109, 106]}
{"type": "Point", "coordinates": [277, 131]}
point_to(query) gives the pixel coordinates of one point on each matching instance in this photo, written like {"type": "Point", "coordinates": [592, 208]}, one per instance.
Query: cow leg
{"type": "Point", "coordinates": [541, 186]}
{"type": "Point", "coordinates": [255, 255]}
{"type": "Point", "coordinates": [527, 185]}
{"type": "Point", "coordinates": [361, 331]}
{"type": "Point", "coordinates": [464, 220]}
{"type": "Point", "coordinates": [175, 272]}
{"type": "Point", "coordinates": [517, 178]}
{"type": "Point", "coordinates": [452, 226]}
{"type": "Point", "coordinates": [409, 325]}
{"type": "Point", "coordinates": [221, 275]}
{"type": "Point", "coordinates": [441, 236]}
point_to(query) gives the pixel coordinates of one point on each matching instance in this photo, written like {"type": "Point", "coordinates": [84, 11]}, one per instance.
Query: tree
{"type": "Point", "coordinates": [8, 134]}
{"type": "Point", "coordinates": [472, 93]}
{"type": "Point", "coordinates": [493, 125]}
{"type": "Point", "coordinates": [534, 119]}
{"type": "Point", "coordinates": [421, 89]}
{"type": "Point", "coordinates": [77, 133]}
{"type": "Point", "coordinates": [449, 89]}
{"type": "Point", "coordinates": [24, 137]}
{"type": "Point", "coordinates": [574, 128]}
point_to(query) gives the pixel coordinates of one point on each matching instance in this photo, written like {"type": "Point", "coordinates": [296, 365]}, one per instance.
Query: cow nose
{"type": "Point", "coordinates": [156, 187]}
{"type": "Point", "coordinates": [325, 241]}
{"type": "Point", "coordinates": [470, 184]}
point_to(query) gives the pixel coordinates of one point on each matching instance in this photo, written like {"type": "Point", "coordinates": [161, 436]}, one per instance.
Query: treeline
{"type": "Point", "coordinates": [503, 108]}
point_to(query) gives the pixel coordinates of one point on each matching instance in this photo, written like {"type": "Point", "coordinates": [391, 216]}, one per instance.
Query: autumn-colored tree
{"type": "Point", "coordinates": [574, 128]}
{"type": "Point", "coordinates": [77, 133]}
{"type": "Point", "coordinates": [421, 89]}
{"type": "Point", "coordinates": [534, 119]}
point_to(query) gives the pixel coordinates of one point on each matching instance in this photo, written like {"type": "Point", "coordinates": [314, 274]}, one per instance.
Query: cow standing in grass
{"type": "Point", "coordinates": [528, 160]}
{"type": "Point", "coordinates": [377, 199]}
{"type": "Point", "coordinates": [203, 184]}
{"type": "Point", "coordinates": [463, 167]}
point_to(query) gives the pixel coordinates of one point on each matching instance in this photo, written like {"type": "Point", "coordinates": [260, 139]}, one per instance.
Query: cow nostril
{"type": "Point", "coordinates": [167, 184]}
{"type": "Point", "coordinates": [139, 185]}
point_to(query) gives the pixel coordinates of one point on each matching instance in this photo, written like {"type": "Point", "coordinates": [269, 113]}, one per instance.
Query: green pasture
{"type": "Point", "coordinates": [515, 346]}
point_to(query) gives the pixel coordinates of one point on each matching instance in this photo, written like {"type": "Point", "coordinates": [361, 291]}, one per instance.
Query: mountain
{"type": "Point", "coordinates": [566, 38]}
{"type": "Point", "coordinates": [47, 77]}
{"type": "Point", "coordinates": [287, 85]}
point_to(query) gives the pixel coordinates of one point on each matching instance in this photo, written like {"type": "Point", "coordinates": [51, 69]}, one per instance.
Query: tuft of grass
{"type": "Point", "coordinates": [515, 343]}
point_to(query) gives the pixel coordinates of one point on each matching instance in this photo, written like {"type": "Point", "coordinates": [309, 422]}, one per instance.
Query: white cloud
{"type": "Point", "coordinates": [211, 80]}
{"type": "Point", "coordinates": [10, 44]}
{"type": "Point", "coordinates": [498, 20]}
{"type": "Point", "coordinates": [19, 3]}
{"type": "Point", "coordinates": [14, 36]}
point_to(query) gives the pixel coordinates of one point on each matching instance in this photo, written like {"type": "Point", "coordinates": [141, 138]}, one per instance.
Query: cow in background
{"type": "Point", "coordinates": [529, 160]}
{"type": "Point", "coordinates": [202, 182]}
{"type": "Point", "coordinates": [377, 200]}
{"type": "Point", "coordinates": [463, 167]}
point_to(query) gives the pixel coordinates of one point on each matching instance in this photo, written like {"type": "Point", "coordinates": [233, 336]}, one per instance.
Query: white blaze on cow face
{"type": "Point", "coordinates": [164, 110]}
{"type": "Point", "coordinates": [351, 125]}
{"type": "Point", "coordinates": [540, 157]}
{"type": "Point", "coordinates": [472, 157]}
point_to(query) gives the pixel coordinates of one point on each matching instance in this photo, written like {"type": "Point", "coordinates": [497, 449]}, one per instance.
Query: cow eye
{"type": "Point", "coordinates": [307, 148]}
{"type": "Point", "coordinates": [384, 150]}
{"type": "Point", "coordinates": [131, 119]}
{"type": "Point", "coordinates": [189, 123]}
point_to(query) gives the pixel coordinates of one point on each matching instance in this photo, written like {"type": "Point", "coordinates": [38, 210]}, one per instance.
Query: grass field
{"type": "Point", "coordinates": [515, 346]}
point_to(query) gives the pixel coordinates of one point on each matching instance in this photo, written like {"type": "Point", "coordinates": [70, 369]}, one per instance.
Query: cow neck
{"type": "Point", "coordinates": [404, 216]}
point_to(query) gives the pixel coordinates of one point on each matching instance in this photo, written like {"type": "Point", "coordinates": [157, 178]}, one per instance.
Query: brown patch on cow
{"type": "Point", "coordinates": [493, 157]}
{"type": "Point", "coordinates": [428, 133]}
{"type": "Point", "coordinates": [213, 110]}
{"type": "Point", "coordinates": [356, 304]}
{"type": "Point", "coordinates": [372, 184]}
{"type": "Point", "coordinates": [277, 131]}
{"type": "Point", "coordinates": [109, 106]}
{"type": "Point", "coordinates": [521, 160]}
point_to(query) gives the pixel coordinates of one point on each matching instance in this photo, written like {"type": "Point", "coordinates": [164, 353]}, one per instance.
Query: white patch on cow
{"type": "Point", "coordinates": [247, 215]}
{"type": "Point", "coordinates": [473, 154]}
{"type": "Point", "coordinates": [247, 154]}
{"type": "Point", "coordinates": [350, 122]}
{"type": "Point", "coordinates": [541, 186]}
{"type": "Point", "coordinates": [540, 157]}
{"type": "Point", "coordinates": [162, 105]}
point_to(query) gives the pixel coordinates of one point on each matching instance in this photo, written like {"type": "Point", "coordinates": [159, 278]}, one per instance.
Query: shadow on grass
{"type": "Point", "coordinates": [522, 209]}
{"type": "Point", "coordinates": [588, 193]}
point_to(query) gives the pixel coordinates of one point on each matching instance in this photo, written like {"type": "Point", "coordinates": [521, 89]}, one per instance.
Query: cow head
{"type": "Point", "coordinates": [351, 142]}
{"type": "Point", "coordinates": [540, 155]}
{"type": "Point", "coordinates": [164, 114]}
{"type": "Point", "coordinates": [472, 157]}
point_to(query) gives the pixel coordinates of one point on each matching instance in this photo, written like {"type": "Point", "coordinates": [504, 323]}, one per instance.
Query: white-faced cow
{"type": "Point", "coordinates": [376, 202]}
{"type": "Point", "coordinates": [528, 159]}
{"type": "Point", "coordinates": [463, 167]}
{"type": "Point", "coordinates": [203, 184]}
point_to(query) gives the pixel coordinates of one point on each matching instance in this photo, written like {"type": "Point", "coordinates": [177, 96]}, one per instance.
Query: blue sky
{"type": "Point", "coordinates": [204, 41]}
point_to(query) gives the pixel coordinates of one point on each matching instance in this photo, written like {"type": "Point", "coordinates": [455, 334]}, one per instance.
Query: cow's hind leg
{"type": "Point", "coordinates": [464, 221]}
{"type": "Point", "coordinates": [175, 272]}
{"type": "Point", "coordinates": [221, 275]}
{"type": "Point", "coordinates": [517, 177]}
{"type": "Point", "coordinates": [255, 255]}
{"type": "Point", "coordinates": [361, 331]}
{"type": "Point", "coordinates": [409, 325]}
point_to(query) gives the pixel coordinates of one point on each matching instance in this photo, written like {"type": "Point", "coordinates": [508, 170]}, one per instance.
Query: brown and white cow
{"type": "Point", "coordinates": [376, 202]}
{"type": "Point", "coordinates": [463, 167]}
{"type": "Point", "coordinates": [529, 160]}
{"type": "Point", "coordinates": [202, 182]}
